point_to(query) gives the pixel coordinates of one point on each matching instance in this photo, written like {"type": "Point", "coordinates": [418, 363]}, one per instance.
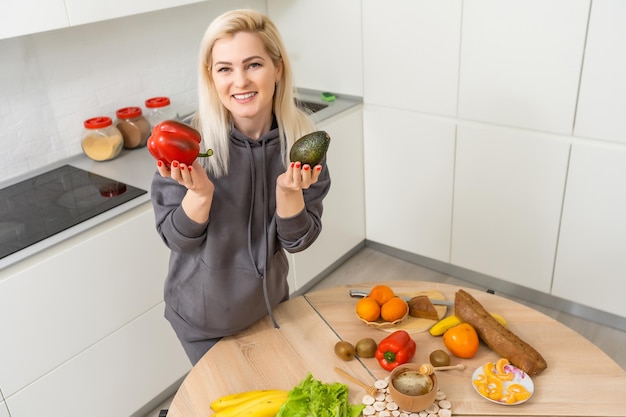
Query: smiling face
{"type": "Point", "coordinates": [245, 78]}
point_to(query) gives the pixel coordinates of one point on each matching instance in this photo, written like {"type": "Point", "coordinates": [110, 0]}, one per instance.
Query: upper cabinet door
{"type": "Point", "coordinates": [323, 39]}
{"type": "Point", "coordinates": [23, 17]}
{"type": "Point", "coordinates": [411, 54]}
{"type": "Point", "coordinates": [84, 11]}
{"type": "Point", "coordinates": [601, 106]}
{"type": "Point", "coordinates": [521, 62]}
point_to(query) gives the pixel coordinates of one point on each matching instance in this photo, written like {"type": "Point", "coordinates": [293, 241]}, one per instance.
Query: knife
{"type": "Point", "coordinates": [363, 293]}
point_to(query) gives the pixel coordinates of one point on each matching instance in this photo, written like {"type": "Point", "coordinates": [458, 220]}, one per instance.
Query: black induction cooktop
{"type": "Point", "coordinates": [42, 206]}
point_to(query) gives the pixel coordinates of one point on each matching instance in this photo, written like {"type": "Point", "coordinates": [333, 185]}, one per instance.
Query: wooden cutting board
{"type": "Point", "coordinates": [415, 324]}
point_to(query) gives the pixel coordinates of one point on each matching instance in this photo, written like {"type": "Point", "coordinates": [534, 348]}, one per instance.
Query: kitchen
{"type": "Point", "coordinates": [500, 124]}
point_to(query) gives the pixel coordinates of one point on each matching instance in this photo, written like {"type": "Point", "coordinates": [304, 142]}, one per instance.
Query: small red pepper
{"type": "Point", "coordinates": [395, 349]}
{"type": "Point", "coordinates": [175, 141]}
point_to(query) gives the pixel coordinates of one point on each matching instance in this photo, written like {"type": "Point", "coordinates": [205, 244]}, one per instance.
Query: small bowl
{"type": "Point", "coordinates": [381, 324]}
{"type": "Point", "coordinates": [403, 396]}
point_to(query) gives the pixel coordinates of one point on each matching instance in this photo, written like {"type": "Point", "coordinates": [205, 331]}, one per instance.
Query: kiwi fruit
{"type": "Point", "coordinates": [366, 348]}
{"type": "Point", "coordinates": [439, 358]}
{"type": "Point", "coordinates": [345, 350]}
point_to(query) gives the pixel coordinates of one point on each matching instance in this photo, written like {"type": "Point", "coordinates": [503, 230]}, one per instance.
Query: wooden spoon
{"type": "Point", "coordinates": [369, 389]}
{"type": "Point", "coordinates": [428, 369]}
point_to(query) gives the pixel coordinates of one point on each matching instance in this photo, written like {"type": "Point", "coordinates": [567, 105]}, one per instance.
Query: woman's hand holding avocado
{"type": "Point", "coordinates": [289, 186]}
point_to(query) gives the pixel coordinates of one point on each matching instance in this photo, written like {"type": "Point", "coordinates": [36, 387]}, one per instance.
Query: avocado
{"type": "Point", "coordinates": [310, 149]}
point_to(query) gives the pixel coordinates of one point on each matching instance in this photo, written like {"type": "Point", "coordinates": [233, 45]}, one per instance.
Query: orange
{"type": "Point", "coordinates": [381, 294]}
{"type": "Point", "coordinates": [502, 362]}
{"type": "Point", "coordinates": [394, 309]}
{"type": "Point", "coordinates": [501, 372]}
{"type": "Point", "coordinates": [368, 309]}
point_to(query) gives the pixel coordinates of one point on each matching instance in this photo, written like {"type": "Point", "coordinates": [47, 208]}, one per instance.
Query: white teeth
{"type": "Point", "coordinates": [243, 96]}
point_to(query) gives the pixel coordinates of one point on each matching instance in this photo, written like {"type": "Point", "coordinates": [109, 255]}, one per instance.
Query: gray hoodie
{"type": "Point", "coordinates": [229, 272]}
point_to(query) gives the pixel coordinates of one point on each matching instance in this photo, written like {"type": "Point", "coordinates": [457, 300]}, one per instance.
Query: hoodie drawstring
{"type": "Point", "coordinates": [263, 274]}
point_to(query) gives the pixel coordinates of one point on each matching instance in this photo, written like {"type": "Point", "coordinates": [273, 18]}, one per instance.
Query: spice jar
{"type": "Point", "coordinates": [134, 126]}
{"type": "Point", "coordinates": [101, 141]}
{"type": "Point", "coordinates": [158, 110]}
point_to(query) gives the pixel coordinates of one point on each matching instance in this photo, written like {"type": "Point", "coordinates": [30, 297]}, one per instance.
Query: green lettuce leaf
{"type": "Point", "coordinates": [313, 398]}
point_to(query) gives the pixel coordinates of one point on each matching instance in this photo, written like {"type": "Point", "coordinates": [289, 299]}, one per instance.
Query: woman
{"type": "Point", "coordinates": [229, 219]}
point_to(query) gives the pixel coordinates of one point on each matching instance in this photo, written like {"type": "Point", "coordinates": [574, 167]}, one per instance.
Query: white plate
{"type": "Point", "coordinates": [520, 377]}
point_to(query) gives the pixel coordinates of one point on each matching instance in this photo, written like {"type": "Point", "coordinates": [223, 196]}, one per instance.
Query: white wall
{"type": "Point", "coordinates": [51, 82]}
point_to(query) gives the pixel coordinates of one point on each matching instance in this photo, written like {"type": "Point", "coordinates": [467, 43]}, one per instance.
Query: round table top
{"type": "Point", "coordinates": [581, 380]}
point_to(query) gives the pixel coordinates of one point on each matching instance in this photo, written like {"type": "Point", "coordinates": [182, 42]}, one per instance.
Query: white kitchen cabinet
{"type": "Point", "coordinates": [22, 17]}
{"type": "Point", "coordinates": [75, 293]}
{"type": "Point", "coordinates": [4, 411]}
{"type": "Point", "coordinates": [81, 11]}
{"type": "Point", "coordinates": [508, 194]}
{"type": "Point", "coordinates": [409, 166]}
{"type": "Point", "coordinates": [411, 54]}
{"type": "Point", "coordinates": [115, 377]}
{"type": "Point", "coordinates": [25, 17]}
{"type": "Point", "coordinates": [601, 108]}
{"type": "Point", "coordinates": [66, 301]}
{"type": "Point", "coordinates": [323, 39]}
{"type": "Point", "coordinates": [343, 220]}
{"type": "Point", "coordinates": [591, 257]}
{"type": "Point", "coordinates": [521, 62]}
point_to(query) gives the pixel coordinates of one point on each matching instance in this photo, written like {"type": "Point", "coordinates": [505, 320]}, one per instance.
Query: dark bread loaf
{"type": "Point", "coordinates": [500, 339]}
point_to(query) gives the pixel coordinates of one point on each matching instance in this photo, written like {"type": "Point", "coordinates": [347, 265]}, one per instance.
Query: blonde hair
{"type": "Point", "coordinates": [214, 120]}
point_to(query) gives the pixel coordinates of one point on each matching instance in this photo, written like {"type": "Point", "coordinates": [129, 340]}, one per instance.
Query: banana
{"type": "Point", "coordinates": [499, 318]}
{"type": "Point", "coordinates": [240, 397]}
{"type": "Point", "coordinates": [449, 322]}
{"type": "Point", "coordinates": [256, 406]}
{"type": "Point", "coordinates": [268, 408]}
{"type": "Point", "coordinates": [443, 325]}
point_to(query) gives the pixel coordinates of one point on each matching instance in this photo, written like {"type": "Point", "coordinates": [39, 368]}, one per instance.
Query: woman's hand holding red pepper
{"type": "Point", "coordinates": [395, 349]}
{"type": "Point", "coordinates": [199, 196]}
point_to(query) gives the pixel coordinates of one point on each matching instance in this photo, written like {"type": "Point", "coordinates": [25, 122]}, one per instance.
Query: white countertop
{"type": "Point", "coordinates": [134, 167]}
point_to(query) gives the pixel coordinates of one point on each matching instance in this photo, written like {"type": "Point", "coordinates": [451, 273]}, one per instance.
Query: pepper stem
{"type": "Point", "coordinates": [390, 357]}
{"type": "Point", "coordinates": [206, 154]}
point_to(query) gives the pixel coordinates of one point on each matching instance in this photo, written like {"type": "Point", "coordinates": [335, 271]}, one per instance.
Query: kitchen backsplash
{"type": "Point", "coordinates": [51, 82]}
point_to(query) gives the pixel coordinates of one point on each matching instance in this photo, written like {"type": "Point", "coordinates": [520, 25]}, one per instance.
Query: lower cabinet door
{"type": "Point", "coordinates": [591, 255]}
{"type": "Point", "coordinates": [4, 411]}
{"type": "Point", "coordinates": [343, 220]}
{"type": "Point", "coordinates": [115, 377]}
{"type": "Point", "coordinates": [508, 194]}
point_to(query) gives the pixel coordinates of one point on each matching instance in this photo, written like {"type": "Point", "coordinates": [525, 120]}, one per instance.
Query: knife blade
{"type": "Point", "coordinates": [362, 293]}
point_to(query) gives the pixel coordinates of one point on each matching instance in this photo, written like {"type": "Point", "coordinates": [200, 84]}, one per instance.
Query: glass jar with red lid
{"type": "Point", "coordinates": [134, 126]}
{"type": "Point", "coordinates": [159, 109]}
{"type": "Point", "coordinates": [101, 140]}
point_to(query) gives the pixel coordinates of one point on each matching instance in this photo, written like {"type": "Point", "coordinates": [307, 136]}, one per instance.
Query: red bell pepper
{"type": "Point", "coordinates": [175, 141]}
{"type": "Point", "coordinates": [395, 349]}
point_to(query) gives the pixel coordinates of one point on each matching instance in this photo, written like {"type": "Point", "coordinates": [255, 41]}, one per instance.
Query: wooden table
{"type": "Point", "coordinates": [581, 380]}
